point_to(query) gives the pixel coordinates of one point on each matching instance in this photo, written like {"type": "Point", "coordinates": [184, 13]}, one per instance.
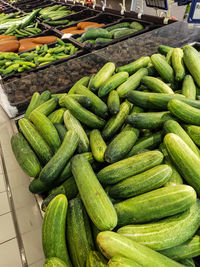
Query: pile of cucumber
{"type": "Point", "coordinates": [117, 160]}
{"type": "Point", "coordinates": [96, 36]}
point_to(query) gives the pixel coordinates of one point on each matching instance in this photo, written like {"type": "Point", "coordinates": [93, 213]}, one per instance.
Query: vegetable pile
{"type": "Point", "coordinates": [117, 160]}
{"type": "Point", "coordinates": [81, 27]}
{"type": "Point", "coordinates": [54, 12]}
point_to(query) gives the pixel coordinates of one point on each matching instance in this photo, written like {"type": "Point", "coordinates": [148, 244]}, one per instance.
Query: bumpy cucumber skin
{"type": "Point", "coordinates": [84, 100]}
{"type": "Point", "coordinates": [95, 259]}
{"type": "Point", "coordinates": [113, 244]}
{"type": "Point", "coordinates": [177, 63]}
{"type": "Point", "coordinates": [113, 102]}
{"type": "Point", "coordinates": [38, 144]}
{"type": "Point", "coordinates": [61, 130]}
{"type": "Point", "coordinates": [32, 105]}
{"type": "Point", "coordinates": [53, 230]}
{"type": "Point", "coordinates": [188, 249]}
{"type": "Point", "coordinates": [79, 235]}
{"type": "Point", "coordinates": [83, 81]}
{"type": "Point", "coordinates": [169, 57]}
{"type": "Point", "coordinates": [164, 49]}
{"type": "Point", "coordinates": [25, 156]}
{"type": "Point", "coordinates": [98, 146]}
{"type": "Point", "coordinates": [55, 166]}
{"type": "Point", "coordinates": [157, 204]}
{"type": "Point", "coordinates": [112, 83]}
{"type": "Point", "coordinates": [57, 116]}
{"type": "Point", "coordinates": [132, 83]}
{"type": "Point", "coordinates": [47, 130]}
{"type": "Point", "coordinates": [188, 262]}
{"type": "Point", "coordinates": [72, 123]}
{"type": "Point", "coordinates": [96, 201]}
{"type": "Point", "coordinates": [128, 167]}
{"type": "Point", "coordinates": [119, 261]}
{"type": "Point", "coordinates": [135, 65]}
{"type": "Point", "coordinates": [189, 87]}
{"type": "Point", "coordinates": [156, 85]}
{"type": "Point", "coordinates": [165, 234]}
{"type": "Point", "coordinates": [55, 262]}
{"type": "Point", "coordinates": [141, 183]}
{"type": "Point", "coordinates": [186, 161]}
{"type": "Point", "coordinates": [194, 133]}
{"type": "Point", "coordinates": [47, 107]}
{"type": "Point", "coordinates": [45, 96]}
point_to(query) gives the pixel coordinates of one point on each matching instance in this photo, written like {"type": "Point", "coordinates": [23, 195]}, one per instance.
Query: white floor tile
{"type": "Point", "coordinates": [2, 182]}
{"type": "Point", "coordinates": [22, 197]}
{"type": "Point", "coordinates": [9, 254]}
{"type": "Point", "coordinates": [4, 203]}
{"type": "Point", "coordinates": [1, 166]}
{"type": "Point", "coordinates": [7, 230]}
{"type": "Point", "coordinates": [17, 178]}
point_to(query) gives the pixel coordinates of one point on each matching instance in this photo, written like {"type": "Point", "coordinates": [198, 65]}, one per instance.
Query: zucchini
{"type": "Point", "coordinates": [164, 49]}
{"type": "Point", "coordinates": [122, 33]}
{"type": "Point", "coordinates": [119, 147]}
{"type": "Point", "coordinates": [82, 114]}
{"type": "Point", "coordinates": [146, 142]}
{"type": "Point", "coordinates": [95, 259]}
{"type": "Point", "coordinates": [186, 161]}
{"type": "Point", "coordinates": [35, 140]}
{"type": "Point", "coordinates": [57, 116]}
{"type": "Point", "coordinates": [47, 130]}
{"type": "Point", "coordinates": [102, 75]}
{"type": "Point", "coordinates": [57, 163]}
{"type": "Point", "coordinates": [55, 262]}
{"type": "Point", "coordinates": [115, 122]}
{"type": "Point", "coordinates": [83, 81]}
{"type": "Point", "coordinates": [172, 126]}
{"type": "Point", "coordinates": [118, 26]}
{"type": "Point", "coordinates": [98, 106]}
{"type": "Point", "coordinates": [194, 133]}
{"type": "Point", "coordinates": [95, 33]}
{"type": "Point", "coordinates": [84, 100]}
{"type": "Point", "coordinates": [135, 65]}
{"type": "Point", "coordinates": [141, 183]}
{"type": "Point", "coordinates": [119, 261]}
{"type": "Point", "coordinates": [136, 25]}
{"type": "Point", "coordinates": [96, 201]}
{"type": "Point", "coordinates": [154, 205]}
{"type": "Point", "coordinates": [61, 130]}
{"type": "Point", "coordinates": [53, 230]}
{"type": "Point", "coordinates": [165, 233]}
{"type": "Point", "coordinates": [72, 123]}
{"type": "Point", "coordinates": [112, 83]}
{"type": "Point", "coordinates": [45, 96]}
{"type": "Point", "coordinates": [132, 83]}
{"type": "Point", "coordinates": [189, 87]}
{"type": "Point", "coordinates": [98, 146]}
{"type": "Point", "coordinates": [47, 107]}
{"type": "Point", "coordinates": [156, 85]}
{"type": "Point", "coordinates": [79, 235]}
{"type": "Point", "coordinates": [125, 168]}
{"type": "Point", "coordinates": [32, 105]}
{"type": "Point", "coordinates": [25, 156]}
{"type": "Point", "coordinates": [192, 61]}
{"type": "Point", "coordinates": [163, 68]}
{"type": "Point", "coordinates": [188, 249]}
{"type": "Point", "coordinates": [113, 244]}
{"type": "Point", "coordinates": [113, 102]}
{"type": "Point", "coordinates": [177, 63]}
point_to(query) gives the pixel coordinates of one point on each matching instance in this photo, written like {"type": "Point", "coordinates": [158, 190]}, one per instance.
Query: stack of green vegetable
{"type": "Point", "coordinates": [118, 159]}
{"type": "Point", "coordinates": [97, 36]}
{"type": "Point", "coordinates": [19, 25]}
{"type": "Point", "coordinates": [54, 12]}
{"type": "Point", "coordinates": [11, 62]}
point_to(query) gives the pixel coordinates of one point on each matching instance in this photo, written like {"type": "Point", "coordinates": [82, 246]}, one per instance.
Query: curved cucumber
{"type": "Point", "coordinates": [157, 204]}
{"type": "Point", "coordinates": [32, 105]}
{"type": "Point", "coordinates": [164, 49]}
{"type": "Point", "coordinates": [46, 95]}
{"type": "Point", "coordinates": [141, 183]}
{"type": "Point", "coordinates": [166, 233]}
{"type": "Point", "coordinates": [189, 87]}
{"type": "Point", "coordinates": [95, 259]}
{"type": "Point", "coordinates": [98, 146]}
{"type": "Point", "coordinates": [177, 63]}
{"type": "Point", "coordinates": [156, 85]}
{"type": "Point", "coordinates": [135, 65]}
{"type": "Point", "coordinates": [113, 102]}
{"type": "Point", "coordinates": [83, 81]}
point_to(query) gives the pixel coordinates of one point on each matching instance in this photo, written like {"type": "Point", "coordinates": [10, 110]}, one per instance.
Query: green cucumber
{"type": "Point", "coordinates": [101, 40]}
{"type": "Point", "coordinates": [119, 261]}
{"type": "Point", "coordinates": [136, 25]}
{"type": "Point", "coordinates": [55, 262]}
{"type": "Point", "coordinates": [172, 126]}
{"type": "Point", "coordinates": [164, 235]}
{"type": "Point", "coordinates": [169, 57]}
{"type": "Point", "coordinates": [141, 183]}
{"type": "Point", "coordinates": [154, 205]}
{"type": "Point", "coordinates": [57, 163]}
{"type": "Point", "coordinates": [95, 33]}
{"type": "Point", "coordinates": [46, 128]}
{"type": "Point", "coordinates": [156, 85]}
{"type": "Point", "coordinates": [132, 83]}
{"type": "Point", "coordinates": [188, 262]}
{"type": "Point", "coordinates": [189, 87]}
{"type": "Point", "coordinates": [135, 65]}
{"type": "Point", "coordinates": [194, 133]}
{"type": "Point", "coordinates": [32, 105]}
{"type": "Point", "coordinates": [102, 75]}
{"type": "Point", "coordinates": [119, 147]}
{"type": "Point", "coordinates": [98, 146]}
{"type": "Point", "coordinates": [83, 81]}
{"type": "Point", "coordinates": [79, 235]}
{"type": "Point", "coordinates": [95, 259]}
{"type": "Point", "coordinates": [72, 123]}
{"type": "Point", "coordinates": [82, 114]}
{"type": "Point", "coordinates": [98, 106]}
{"type": "Point", "coordinates": [164, 49]}
{"type": "Point", "coordinates": [61, 102]}
{"type": "Point", "coordinates": [113, 102]}
{"type": "Point", "coordinates": [91, 81]}
{"type": "Point", "coordinates": [115, 122]}
{"type": "Point", "coordinates": [45, 96]}
{"type": "Point", "coordinates": [47, 107]}
{"type": "Point", "coordinates": [146, 142]}
{"type": "Point", "coordinates": [113, 244]}
{"type": "Point", "coordinates": [192, 62]}
{"type": "Point", "coordinates": [125, 168]}
{"type": "Point", "coordinates": [37, 143]}
{"type": "Point", "coordinates": [53, 230]}
{"type": "Point", "coordinates": [112, 83]}
{"type": "Point", "coordinates": [84, 100]}
{"type": "Point", "coordinates": [25, 156]}
{"type": "Point", "coordinates": [96, 201]}
{"type": "Point", "coordinates": [123, 32]}
{"type": "Point", "coordinates": [177, 63]}
{"type": "Point", "coordinates": [188, 249]}
{"type": "Point", "coordinates": [186, 161]}
{"type": "Point", "coordinates": [118, 26]}
{"type": "Point", "coordinates": [57, 116]}
{"type": "Point", "coordinates": [163, 68]}
{"type": "Point", "coordinates": [61, 130]}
